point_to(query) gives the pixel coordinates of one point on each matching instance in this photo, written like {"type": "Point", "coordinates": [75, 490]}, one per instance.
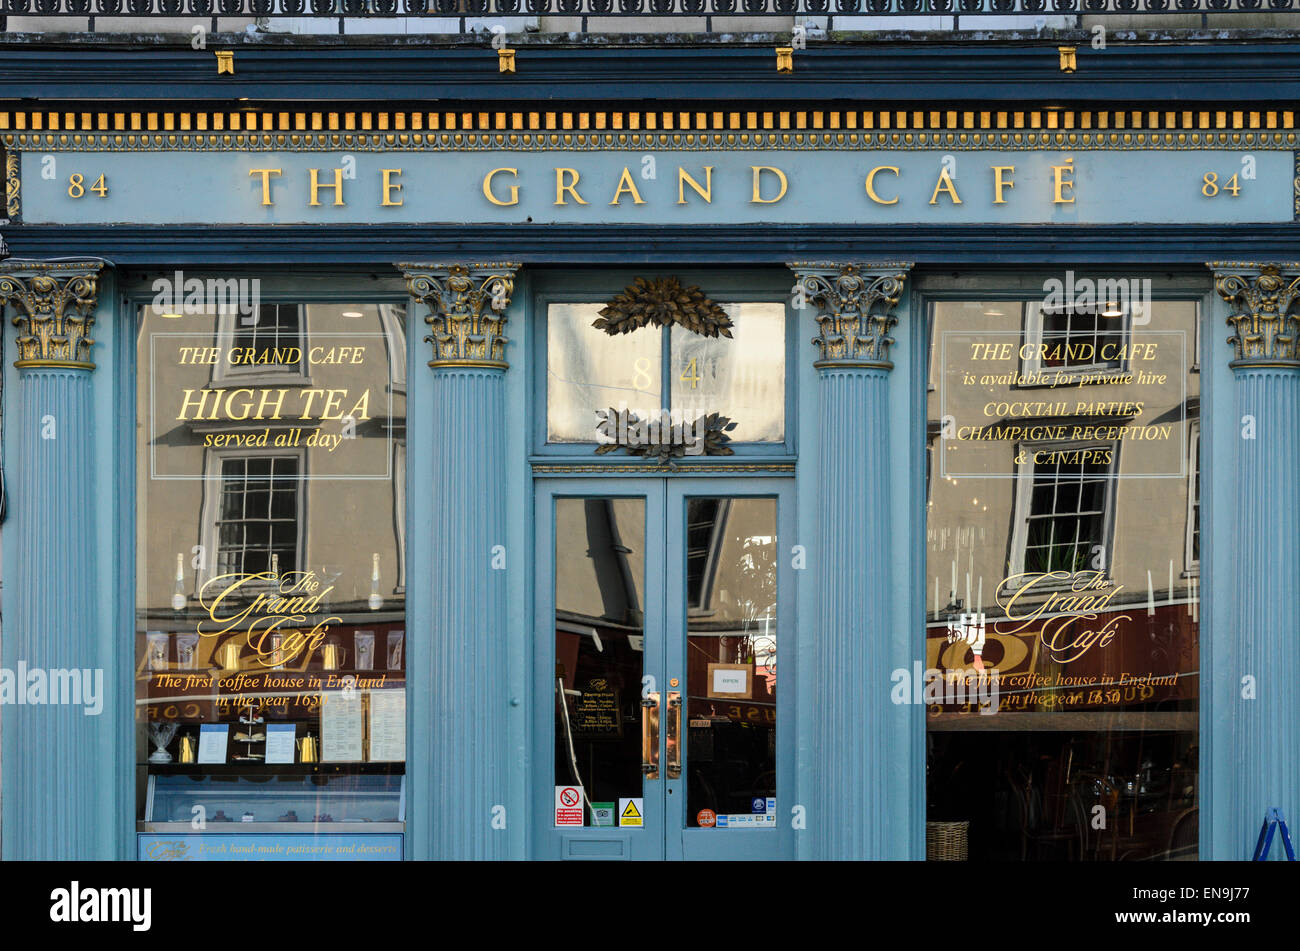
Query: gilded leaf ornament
{"type": "Point", "coordinates": [663, 302]}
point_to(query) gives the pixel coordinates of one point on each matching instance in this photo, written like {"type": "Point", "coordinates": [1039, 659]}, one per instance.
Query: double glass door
{"type": "Point", "coordinates": [660, 728]}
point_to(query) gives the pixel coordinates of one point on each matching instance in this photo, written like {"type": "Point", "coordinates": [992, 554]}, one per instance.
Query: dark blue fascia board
{"type": "Point", "coordinates": [1257, 68]}
{"type": "Point", "coordinates": [937, 245]}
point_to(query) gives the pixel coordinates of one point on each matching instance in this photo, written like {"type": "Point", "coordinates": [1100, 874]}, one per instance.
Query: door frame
{"type": "Point", "coordinates": [665, 627]}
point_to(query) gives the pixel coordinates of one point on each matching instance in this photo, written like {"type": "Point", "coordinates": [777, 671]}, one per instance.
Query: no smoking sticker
{"type": "Point", "coordinates": [568, 806]}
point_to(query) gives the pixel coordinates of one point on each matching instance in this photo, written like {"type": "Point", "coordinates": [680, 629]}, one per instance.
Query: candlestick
{"type": "Point", "coordinates": [375, 602]}
{"type": "Point", "coordinates": [178, 592]}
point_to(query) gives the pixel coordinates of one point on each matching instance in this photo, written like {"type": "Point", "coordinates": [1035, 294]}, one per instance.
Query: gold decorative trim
{"type": "Point", "coordinates": [689, 141]}
{"type": "Point", "coordinates": [1266, 318]}
{"type": "Point", "coordinates": [1069, 58]}
{"type": "Point", "coordinates": [854, 364]}
{"type": "Point", "coordinates": [13, 189]}
{"type": "Point", "coordinates": [670, 117]}
{"type": "Point", "coordinates": [56, 364]}
{"type": "Point", "coordinates": [56, 304]}
{"type": "Point", "coordinates": [785, 59]}
{"type": "Point", "coordinates": [481, 127]}
{"type": "Point", "coordinates": [225, 61]}
{"type": "Point", "coordinates": [505, 60]}
{"type": "Point", "coordinates": [547, 468]}
{"type": "Point", "coordinates": [466, 364]}
{"type": "Point", "coordinates": [467, 310]}
{"type": "Point", "coordinates": [1297, 187]}
{"type": "Point", "coordinates": [855, 309]}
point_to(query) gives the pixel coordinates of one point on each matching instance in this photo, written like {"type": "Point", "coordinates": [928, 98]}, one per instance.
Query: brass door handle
{"type": "Point", "coordinates": [650, 736]}
{"type": "Point", "coordinates": [674, 739]}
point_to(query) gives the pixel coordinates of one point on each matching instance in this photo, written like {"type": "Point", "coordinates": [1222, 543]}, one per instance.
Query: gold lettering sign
{"type": "Point", "coordinates": [1063, 616]}
{"type": "Point", "coordinates": [258, 604]}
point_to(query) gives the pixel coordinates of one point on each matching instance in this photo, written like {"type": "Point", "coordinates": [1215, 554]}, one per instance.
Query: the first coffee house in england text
{"type": "Point", "coordinates": [798, 437]}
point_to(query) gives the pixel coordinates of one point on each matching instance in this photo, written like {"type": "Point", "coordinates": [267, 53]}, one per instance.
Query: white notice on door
{"type": "Point", "coordinates": [730, 680]}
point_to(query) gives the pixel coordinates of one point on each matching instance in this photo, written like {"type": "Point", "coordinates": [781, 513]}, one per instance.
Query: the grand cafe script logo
{"type": "Point", "coordinates": [267, 607]}
{"type": "Point", "coordinates": [1071, 610]}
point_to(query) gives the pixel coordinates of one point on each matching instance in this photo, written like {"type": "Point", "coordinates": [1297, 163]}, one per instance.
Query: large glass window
{"type": "Point", "coordinates": [271, 616]}
{"type": "Point", "coordinates": [1062, 620]}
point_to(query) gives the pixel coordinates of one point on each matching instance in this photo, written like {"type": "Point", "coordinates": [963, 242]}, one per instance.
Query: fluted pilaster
{"type": "Point", "coordinates": [1254, 741]}
{"type": "Point", "coordinates": [49, 797]}
{"type": "Point", "coordinates": [853, 744]}
{"type": "Point", "coordinates": [464, 761]}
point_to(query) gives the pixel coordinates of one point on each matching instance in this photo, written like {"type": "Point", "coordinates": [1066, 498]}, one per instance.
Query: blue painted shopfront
{"type": "Point", "coordinates": [848, 482]}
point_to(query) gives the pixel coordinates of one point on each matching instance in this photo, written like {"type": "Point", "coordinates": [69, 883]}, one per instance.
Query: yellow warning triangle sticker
{"type": "Point", "coordinates": [630, 812]}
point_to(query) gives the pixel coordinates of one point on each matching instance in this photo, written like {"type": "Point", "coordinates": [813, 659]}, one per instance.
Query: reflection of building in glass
{"type": "Point", "coordinates": [1048, 478]}
{"type": "Point", "coordinates": [729, 718]}
{"type": "Point", "coordinates": [258, 522]}
{"type": "Point", "coordinates": [220, 502]}
{"type": "Point", "coordinates": [270, 573]}
{"type": "Point", "coordinates": [1063, 518]}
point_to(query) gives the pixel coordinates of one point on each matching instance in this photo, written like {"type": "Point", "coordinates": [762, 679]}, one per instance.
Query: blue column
{"type": "Point", "coordinates": [51, 746]}
{"type": "Point", "coordinates": [859, 738]}
{"type": "Point", "coordinates": [459, 680]}
{"type": "Point", "coordinates": [1253, 718]}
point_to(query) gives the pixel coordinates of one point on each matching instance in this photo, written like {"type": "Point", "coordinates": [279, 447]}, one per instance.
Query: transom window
{"type": "Point", "coordinates": [650, 370]}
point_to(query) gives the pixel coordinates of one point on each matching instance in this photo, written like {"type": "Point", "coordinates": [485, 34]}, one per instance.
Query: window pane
{"type": "Point", "coordinates": [600, 552]}
{"type": "Point", "coordinates": [731, 658]}
{"type": "Point", "coordinates": [741, 377]}
{"type": "Point", "coordinates": [587, 370]}
{"type": "Point", "coordinates": [1062, 631]}
{"type": "Point", "coordinates": [250, 503]}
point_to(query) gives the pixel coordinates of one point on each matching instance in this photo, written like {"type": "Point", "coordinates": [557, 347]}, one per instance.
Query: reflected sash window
{"type": "Point", "coordinates": [1073, 339]}
{"type": "Point", "coordinates": [258, 526]}
{"type": "Point", "coordinates": [1065, 524]}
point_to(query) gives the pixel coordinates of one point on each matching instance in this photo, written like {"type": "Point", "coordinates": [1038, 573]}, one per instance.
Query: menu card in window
{"type": "Point", "coordinates": [280, 742]}
{"type": "Point", "coordinates": [340, 727]}
{"type": "Point", "coordinates": [387, 726]}
{"type": "Point", "coordinates": [212, 742]}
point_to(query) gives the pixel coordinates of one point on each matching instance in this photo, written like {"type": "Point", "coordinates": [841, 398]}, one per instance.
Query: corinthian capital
{"type": "Point", "coordinates": [467, 310]}
{"type": "Point", "coordinates": [55, 306]}
{"type": "Point", "coordinates": [855, 309]}
{"type": "Point", "coordinates": [1265, 298]}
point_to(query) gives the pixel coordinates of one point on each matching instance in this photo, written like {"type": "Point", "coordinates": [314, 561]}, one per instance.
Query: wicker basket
{"type": "Point", "coordinates": [945, 841]}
